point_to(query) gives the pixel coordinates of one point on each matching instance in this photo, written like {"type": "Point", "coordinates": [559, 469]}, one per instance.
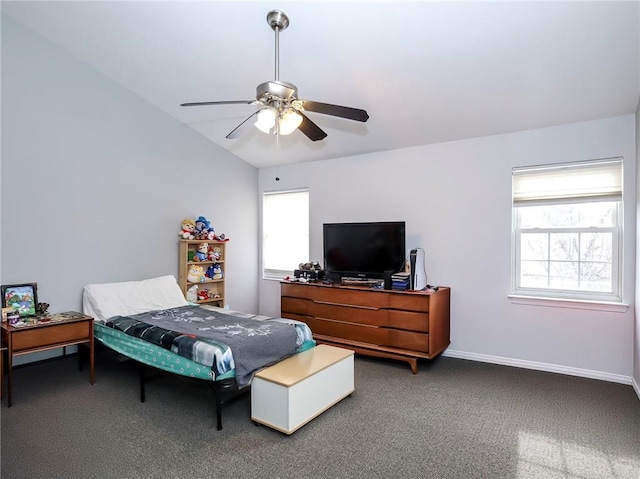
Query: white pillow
{"type": "Point", "coordinates": [103, 301]}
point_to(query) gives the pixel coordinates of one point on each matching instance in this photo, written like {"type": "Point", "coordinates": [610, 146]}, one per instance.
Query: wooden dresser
{"type": "Point", "coordinates": [403, 325]}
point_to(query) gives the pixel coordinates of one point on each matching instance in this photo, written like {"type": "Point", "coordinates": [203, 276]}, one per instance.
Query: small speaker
{"type": "Point", "coordinates": [387, 279]}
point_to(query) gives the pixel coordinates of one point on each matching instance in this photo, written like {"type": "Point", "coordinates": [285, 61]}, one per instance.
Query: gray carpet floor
{"type": "Point", "coordinates": [454, 419]}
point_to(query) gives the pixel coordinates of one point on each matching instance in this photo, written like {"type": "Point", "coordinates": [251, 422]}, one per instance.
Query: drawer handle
{"type": "Point", "coordinates": [346, 305]}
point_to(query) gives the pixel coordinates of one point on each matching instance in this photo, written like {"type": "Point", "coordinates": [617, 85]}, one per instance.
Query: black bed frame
{"type": "Point", "coordinates": [224, 390]}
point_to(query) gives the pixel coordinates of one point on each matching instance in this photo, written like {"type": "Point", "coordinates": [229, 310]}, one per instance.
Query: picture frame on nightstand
{"type": "Point", "coordinates": [23, 298]}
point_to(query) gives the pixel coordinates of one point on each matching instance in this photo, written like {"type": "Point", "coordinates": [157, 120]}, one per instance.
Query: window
{"type": "Point", "coordinates": [285, 232]}
{"type": "Point", "coordinates": [567, 234]}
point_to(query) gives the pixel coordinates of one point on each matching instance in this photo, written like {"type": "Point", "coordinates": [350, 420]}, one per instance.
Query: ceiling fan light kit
{"type": "Point", "coordinates": [281, 111]}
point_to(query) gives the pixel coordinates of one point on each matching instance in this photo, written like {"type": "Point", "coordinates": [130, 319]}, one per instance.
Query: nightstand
{"type": "Point", "coordinates": [44, 333]}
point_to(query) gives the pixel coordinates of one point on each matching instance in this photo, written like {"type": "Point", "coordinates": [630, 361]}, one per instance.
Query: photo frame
{"type": "Point", "coordinates": [20, 297]}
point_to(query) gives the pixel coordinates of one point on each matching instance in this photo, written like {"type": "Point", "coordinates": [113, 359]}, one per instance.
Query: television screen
{"type": "Point", "coordinates": [364, 250]}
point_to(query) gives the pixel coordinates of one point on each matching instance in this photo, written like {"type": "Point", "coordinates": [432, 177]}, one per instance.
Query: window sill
{"type": "Point", "coordinates": [569, 303]}
{"type": "Point", "coordinates": [276, 278]}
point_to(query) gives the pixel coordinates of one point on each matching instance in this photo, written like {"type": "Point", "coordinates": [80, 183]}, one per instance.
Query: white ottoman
{"type": "Point", "coordinates": [291, 393]}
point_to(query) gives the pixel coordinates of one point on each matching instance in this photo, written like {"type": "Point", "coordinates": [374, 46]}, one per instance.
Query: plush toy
{"type": "Point", "coordinates": [203, 252]}
{"type": "Point", "coordinates": [192, 293]}
{"type": "Point", "coordinates": [209, 273]}
{"type": "Point", "coordinates": [202, 228]}
{"type": "Point", "coordinates": [311, 266]}
{"type": "Point", "coordinates": [217, 271]}
{"type": "Point", "coordinates": [196, 274]}
{"type": "Point", "coordinates": [203, 294]}
{"type": "Point", "coordinates": [215, 253]}
{"type": "Point", "coordinates": [188, 227]}
{"type": "Point", "coordinates": [220, 238]}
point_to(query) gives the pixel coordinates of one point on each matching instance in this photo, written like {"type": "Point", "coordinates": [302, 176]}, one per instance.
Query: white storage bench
{"type": "Point", "coordinates": [291, 393]}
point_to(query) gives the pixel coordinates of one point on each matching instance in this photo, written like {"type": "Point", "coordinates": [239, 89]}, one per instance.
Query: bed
{"type": "Point", "coordinates": [151, 322]}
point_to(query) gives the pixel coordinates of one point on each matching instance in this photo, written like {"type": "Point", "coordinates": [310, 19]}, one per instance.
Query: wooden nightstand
{"type": "Point", "coordinates": [48, 332]}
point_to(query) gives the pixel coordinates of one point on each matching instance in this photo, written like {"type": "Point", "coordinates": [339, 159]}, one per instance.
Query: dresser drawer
{"type": "Point", "coordinates": [295, 290]}
{"type": "Point", "coordinates": [354, 332]}
{"type": "Point", "coordinates": [409, 320]}
{"type": "Point", "coordinates": [293, 305]}
{"type": "Point", "coordinates": [409, 301]}
{"type": "Point", "coordinates": [409, 340]}
{"type": "Point", "coordinates": [354, 297]}
{"type": "Point", "coordinates": [349, 314]}
{"type": "Point", "coordinates": [51, 335]}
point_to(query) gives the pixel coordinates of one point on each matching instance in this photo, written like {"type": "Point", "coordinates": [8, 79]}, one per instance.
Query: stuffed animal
{"type": "Point", "coordinates": [192, 293]}
{"type": "Point", "coordinates": [209, 273]}
{"type": "Point", "coordinates": [188, 227]}
{"type": "Point", "coordinates": [203, 252]}
{"type": "Point", "coordinates": [196, 274]}
{"type": "Point", "coordinates": [202, 228]}
{"type": "Point", "coordinates": [311, 266]}
{"type": "Point", "coordinates": [217, 271]}
{"type": "Point", "coordinates": [215, 253]}
{"type": "Point", "coordinates": [203, 294]}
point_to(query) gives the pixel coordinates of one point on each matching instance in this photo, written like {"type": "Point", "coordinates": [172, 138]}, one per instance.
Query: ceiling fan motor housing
{"type": "Point", "coordinates": [271, 91]}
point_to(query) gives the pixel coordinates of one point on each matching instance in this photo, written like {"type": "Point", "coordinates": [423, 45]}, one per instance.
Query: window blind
{"type": "Point", "coordinates": [593, 180]}
{"type": "Point", "coordinates": [285, 231]}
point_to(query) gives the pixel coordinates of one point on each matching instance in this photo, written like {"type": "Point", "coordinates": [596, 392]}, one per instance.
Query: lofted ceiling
{"type": "Point", "coordinates": [426, 72]}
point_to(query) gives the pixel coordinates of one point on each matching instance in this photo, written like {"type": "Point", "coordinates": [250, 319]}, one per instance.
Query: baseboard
{"type": "Point", "coordinates": [552, 368]}
{"type": "Point", "coordinates": [636, 387]}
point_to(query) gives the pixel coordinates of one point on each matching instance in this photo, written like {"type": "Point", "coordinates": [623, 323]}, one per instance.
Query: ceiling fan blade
{"type": "Point", "coordinates": [243, 127]}
{"type": "Point", "coordinates": [335, 110]}
{"type": "Point", "coordinates": [231, 102]}
{"type": "Point", "coordinates": [309, 128]}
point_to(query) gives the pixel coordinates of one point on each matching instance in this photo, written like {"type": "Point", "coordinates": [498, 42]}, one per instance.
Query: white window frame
{"type": "Point", "coordinates": [294, 232]}
{"type": "Point", "coordinates": [532, 197]}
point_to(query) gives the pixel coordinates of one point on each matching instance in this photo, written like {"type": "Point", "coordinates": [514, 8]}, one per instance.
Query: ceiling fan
{"type": "Point", "coordinates": [280, 110]}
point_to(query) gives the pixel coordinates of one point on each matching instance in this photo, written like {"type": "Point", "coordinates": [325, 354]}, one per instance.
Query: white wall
{"type": "Point", "coordinates": [456, 200]}
{"type": "Point", "coordinates": [95, 181]}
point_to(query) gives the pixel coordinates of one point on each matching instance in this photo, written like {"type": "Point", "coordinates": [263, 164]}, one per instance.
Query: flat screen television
{"type": "Point", "coordinates": [363, 250]}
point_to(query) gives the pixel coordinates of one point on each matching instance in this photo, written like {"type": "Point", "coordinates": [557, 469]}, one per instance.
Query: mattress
{"type": "Point", "coordinates": [133, 298]}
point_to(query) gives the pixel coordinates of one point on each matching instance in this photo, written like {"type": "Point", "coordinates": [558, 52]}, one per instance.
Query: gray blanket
{"type": "Point", "coordinates": [253, 343]}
